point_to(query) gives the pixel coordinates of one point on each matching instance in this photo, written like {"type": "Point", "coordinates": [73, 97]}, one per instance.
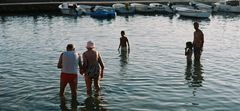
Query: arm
{"type": "Point", "coordinates": [202, 40]}
{"type": "Point", "coordinates": [128, 46]}
{"type": "Point", "coordinates": [193, 39]}
{"type": "Point", "coordinates": [84, 66]}
{"type": "Point", "coordinates": [119, 44]}
{"type": "Point", "coordinates": [185, 51]}
{"type": "Point", "coordinates": [101, 64]}
{"type": "Point", "coordinates": [59, 65]}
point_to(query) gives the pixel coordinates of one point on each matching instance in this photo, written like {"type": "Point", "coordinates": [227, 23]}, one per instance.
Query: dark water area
{"type": "Point", "coordinates": [153, 77]}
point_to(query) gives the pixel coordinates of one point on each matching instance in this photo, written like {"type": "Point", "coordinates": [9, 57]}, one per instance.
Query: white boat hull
{"type": "Point", "coordinates": [193, 13]}
{"type": "Point", "coordinates": [160, 8]}
{"type": "Point", "coordinates": [70, 11]}
{"type": "Point", "coordinates": [141, 8]}
{"type": "Point", "coordinates": [123, 8]}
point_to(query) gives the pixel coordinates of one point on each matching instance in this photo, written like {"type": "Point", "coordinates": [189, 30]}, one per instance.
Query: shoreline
{"type": "Point", "coordinates": [44, 7]}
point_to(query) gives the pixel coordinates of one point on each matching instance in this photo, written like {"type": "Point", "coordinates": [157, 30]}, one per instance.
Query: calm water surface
{"type": "Point", "coordinates": [153, 77]}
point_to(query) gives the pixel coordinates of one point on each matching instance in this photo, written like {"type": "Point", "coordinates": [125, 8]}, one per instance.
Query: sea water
{"type": "Point", "coordinates": [153, 77]}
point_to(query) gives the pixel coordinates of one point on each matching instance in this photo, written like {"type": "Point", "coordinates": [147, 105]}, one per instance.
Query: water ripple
{"type": "Point", "coordinates": [153, 77]}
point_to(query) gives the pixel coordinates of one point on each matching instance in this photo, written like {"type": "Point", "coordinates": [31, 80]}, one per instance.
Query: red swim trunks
{"type": "Point", "coordinates": [69, 78]}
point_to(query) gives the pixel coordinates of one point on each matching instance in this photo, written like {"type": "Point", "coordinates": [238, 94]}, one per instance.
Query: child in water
{"type": "Point", "coordinates": [189, 51]}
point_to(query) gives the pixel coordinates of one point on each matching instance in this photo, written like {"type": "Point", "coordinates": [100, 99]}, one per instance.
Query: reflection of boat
{"type": "Point", "coordinates": [142, 8]}
{"type": "Point", "coordinates": [201, 6]}
{"type": "Point", "coordinates": [189, 12]}
{"type": "Point", "coordinates": [123, 8]}
{"type": "Point", "coordinates": [228, 6]}
{"type": "Point", "coordinates": [70, 9]}
{"type": "Point", "coordinates": [160, 8]}
{"type": "Point", "coordinates": [102, 12]}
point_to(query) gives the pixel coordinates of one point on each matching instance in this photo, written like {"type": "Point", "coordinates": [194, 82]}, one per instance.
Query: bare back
{"type": "Point", "coordinates": [90, 56]}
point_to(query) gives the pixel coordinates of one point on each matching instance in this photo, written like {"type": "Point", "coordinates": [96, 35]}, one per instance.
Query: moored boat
{"type": "Point", "coordinates": [201, 6]}
{"type": "Point", "coordinates": [189, 12]}
{"type": "Point", "coordinates": [87, 9]}
{"type": "Point", "coordinates": [228, 6]}
{"type": "Point", "coordinates": [160, 8]}
{"type": "Point", "coordinates": [142, 8]}
{"type": "Point", "coordinates": [102, 12]}
{"type": "Point", "coordinates": [70, 9]}
{"type": "Point", "coordinates": [123, 8]}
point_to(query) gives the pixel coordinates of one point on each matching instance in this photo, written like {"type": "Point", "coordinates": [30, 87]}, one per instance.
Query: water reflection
{"type": "Point", "coordinates": [64, 106]}
{"type": "Point", "coordinates": [93, 104]}
{"type": "Point", "coordinates": [124, 54]}
{"type": "Point", "coordinates": [193, 19]}
{"type": "Point", "coordinates": [193, 74]}
{"type": "Point", "coordinates": [225, 15]}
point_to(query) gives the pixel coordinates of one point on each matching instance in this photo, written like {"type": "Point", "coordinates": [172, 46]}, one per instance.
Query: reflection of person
{"type": "Point", "coordinates": [64, 106]}
{"type": "Point", "coordinates": [93, 66]}
{"type": "Point", "coordinates": [188, 51]}
{"type": "Point", "coordinates": [69, 63]}
{"type": "Point", "coordinates": [197, 73]}
{"type": "Point", "coordinates": [193, 75]}
{"type": "Point", "coordinates": [124, 43]}
{"type": "Point", "coordinates": [93, 104]}
{"type": "Point", "coordinates": [198, 41]}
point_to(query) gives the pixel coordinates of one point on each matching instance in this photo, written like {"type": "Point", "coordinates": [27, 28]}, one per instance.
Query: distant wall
{"type": "Point", "coordinates": [26, 8]}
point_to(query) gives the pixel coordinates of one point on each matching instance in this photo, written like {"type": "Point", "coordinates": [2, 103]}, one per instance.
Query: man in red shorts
{"type": "Point", "coordinates": [69, 63]}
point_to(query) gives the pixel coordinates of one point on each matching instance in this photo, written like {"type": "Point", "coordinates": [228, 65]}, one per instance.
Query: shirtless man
{"type": "Point", "coordinates": [123, 43]}
{"type": "Point", "coordinates": [198, 41]}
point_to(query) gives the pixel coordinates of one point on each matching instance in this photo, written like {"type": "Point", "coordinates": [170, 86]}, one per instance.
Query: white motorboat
{"type": "Point", "coordinates": [123, 8]}
{"type": "Point", "coordinates": [189, 12]}
{"type": "Point", "coordinates": [201, 6]}
{"type": "Point", "coordinates": [160, 8]}
{"type": "Point", "coordinates": [174, 7]}
{"type": "Point", "coordinates": [228, 6]}
{"type": "Point", "coordinates": [102, 12]}
{"type": "Point", "coordinates": [142, 8]}
{"type": "Point", "coordinates": [87, 9]}
{"type": "Point", "coordinates": [70, 9]}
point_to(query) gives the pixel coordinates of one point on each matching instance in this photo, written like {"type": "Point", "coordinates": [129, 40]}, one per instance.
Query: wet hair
{"type": "Point", "coordinates": [122, 32]}
{"type": "Point", "coordinates": [189, 44]}
{"type": "Point", "coordinates": [196, 24]}
{"type": "Point", "coordinates": [70, 47]}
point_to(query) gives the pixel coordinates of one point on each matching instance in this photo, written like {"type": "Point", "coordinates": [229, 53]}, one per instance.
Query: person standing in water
{"type": "Point", "coordinates": [69, 63]}
{"type": "Point", "coordinates": [188, 52]}
{"type": "Point", "coordinates": [124, 43]}
{"type": "Point", "coordinates": [198, 42]}
{"type": "Point", "coordinates": [93, 68]}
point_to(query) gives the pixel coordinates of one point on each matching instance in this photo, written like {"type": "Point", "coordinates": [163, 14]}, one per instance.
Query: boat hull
{"type": "Point", "coordinates": [188, 12]}
{"type": "Point", "coordinates": [70, 11]}
{"type": "Point", "coordinates": [123, 9]}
